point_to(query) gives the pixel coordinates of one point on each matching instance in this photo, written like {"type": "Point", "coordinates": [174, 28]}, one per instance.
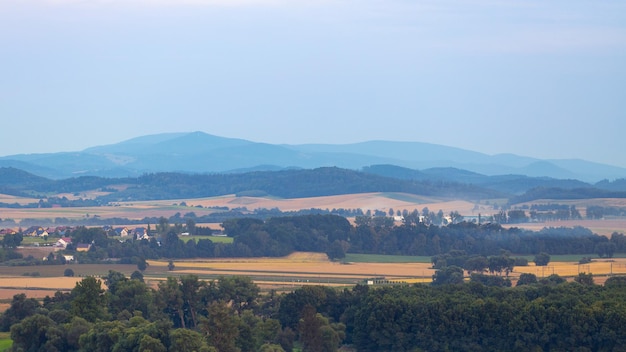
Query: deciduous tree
{"type": "Point", "coordinates": [88, 299]}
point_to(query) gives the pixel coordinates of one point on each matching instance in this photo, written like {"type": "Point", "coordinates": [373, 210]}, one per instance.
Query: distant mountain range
{"type": "Point", "coordinates": [201, 153]}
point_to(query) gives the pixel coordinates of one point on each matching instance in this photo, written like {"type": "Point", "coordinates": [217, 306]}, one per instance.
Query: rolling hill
{"type": "Point", "coordinates": [451, 184]}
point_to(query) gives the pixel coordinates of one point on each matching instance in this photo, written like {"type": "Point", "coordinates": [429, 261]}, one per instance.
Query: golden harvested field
{"type": "Point", "coordinates": [140, 210]}
{"type": "Point", "coordinates": [314, 268]}
{"type": "Point", "coordinates": [47, 271]}
{"type": "Point", "coordinates": [365, 201]}
{"type": "Point", "coordinates": [302, 264]}
{"type": "Point", "coordinates": [281, 274]}
{"type": "Point", "coordinates": [604, 227]}
{"type": "Point", "coordinates": [361, 270]}
{"type": "Point", "coordinates": [5, 198]}
{"type": "Point", "coordinates": [599, 267]}
{"type": "Point", "coordinates": [36, 286]}
{"type": "Point", "coordinates": [132, 212]}
{"type": "Point", "coordinates": [7, 294]}
{"type": "Point", "coordinates": [299, 269]}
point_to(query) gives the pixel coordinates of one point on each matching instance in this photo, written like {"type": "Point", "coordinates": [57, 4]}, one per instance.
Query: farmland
{"type": "Point", "coordinates": [604, 227]}
{"type": "Point", "coordinates": [280, 274]}
{"type": "Point", "coordinates": [202, 206]}
{"type": "Point", "coordinates": [297, 269]}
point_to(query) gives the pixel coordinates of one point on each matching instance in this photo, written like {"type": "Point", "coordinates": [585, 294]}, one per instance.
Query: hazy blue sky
{"type": "Point", "coordinates": [538, 78]}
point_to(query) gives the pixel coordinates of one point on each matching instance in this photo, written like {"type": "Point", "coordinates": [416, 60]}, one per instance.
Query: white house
{"type": "Point", "coordinates": [63, 242]}
{"type": "Point", "coordinates": [121, 231]}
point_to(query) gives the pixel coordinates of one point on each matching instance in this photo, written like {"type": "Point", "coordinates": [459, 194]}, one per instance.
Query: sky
{"type": "Point", "coordinates": [544, 79]}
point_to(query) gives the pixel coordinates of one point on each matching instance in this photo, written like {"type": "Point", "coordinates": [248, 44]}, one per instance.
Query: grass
{"type": "Point", "coordinates": [28, 240]}
{"type": "Point", "coordinates": [380, 258]}
{"type": "Point", "coordinates": [566, 257]}
{"type": "Point", "coordinates": [5, 341]}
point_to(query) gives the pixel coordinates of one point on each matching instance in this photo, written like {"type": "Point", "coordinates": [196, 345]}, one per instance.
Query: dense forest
{"type": "Point", "coordinates": [285, 184]}
{"type": "Point", "coordinates": [230, 314]}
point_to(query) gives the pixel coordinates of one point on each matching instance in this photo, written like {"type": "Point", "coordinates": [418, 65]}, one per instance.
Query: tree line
{"type": "Point", "coordinates": [380, 235]}
{"type": "Point", "coordinates": [230, 314]}
{"type": "Point", "coordinates": [217, 215]}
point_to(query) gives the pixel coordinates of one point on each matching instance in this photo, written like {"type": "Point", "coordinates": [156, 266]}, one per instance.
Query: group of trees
{"type": "Point", "coordinates": [538, 213]}
{"type": "Point", "coordinates": [547, 212]}
{"type": "Point", "coordinates": [379, 235]}
{"type": "Point", "coordinates": [283, 235]}
{"type": "Point", "coordinates": [542, 316]}
{"type": "Point", "coordinates": [182, 314]}
{"type": "Point", "coordinates": [495, 264]}
{"type": "Point", "coordinates": [230, 314]}
{"type": "Point", "coordinates": [450, 267]}
{"type": "Point", "coordinates": [12, 240]}
{"type": "Point", "coordinates": [475, 239]}
{"type": "Point", "coordinates": [599, 212]}
{"type": "Point", "coordinates": [216, 215]}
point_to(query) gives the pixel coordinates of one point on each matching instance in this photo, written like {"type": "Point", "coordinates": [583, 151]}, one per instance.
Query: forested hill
{"type": "Point", "coordinates": [511, 183]}
{"type": "Point", "coordinates": [299, 183]}
{"type": "Point", "coordinates": [560, 193]}
{"type": "Point", "coordinates": [285, 184]}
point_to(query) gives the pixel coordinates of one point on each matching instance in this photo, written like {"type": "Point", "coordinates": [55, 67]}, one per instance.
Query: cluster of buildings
{"type": "Point", "coordinates": [138, 233]}
{"type": "Point", "coordinates": [63, 241]}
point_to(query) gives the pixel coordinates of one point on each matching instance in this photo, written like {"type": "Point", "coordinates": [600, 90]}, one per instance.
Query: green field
{"type": "Point", "coordinates": [214, 239]}
{"type": "Point", "coordinates": [5, 341]}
